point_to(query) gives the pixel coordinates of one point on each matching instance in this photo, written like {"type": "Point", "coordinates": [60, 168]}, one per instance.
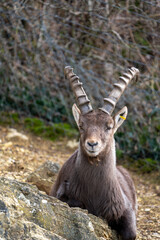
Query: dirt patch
{"type": "Point", "coordinates": [19, 158]}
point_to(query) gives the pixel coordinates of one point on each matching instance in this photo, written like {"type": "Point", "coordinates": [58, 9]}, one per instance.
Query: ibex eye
{"type": "Point", "coordinates": [108, 128]}
{"type": "Point", "coordinates": [81, 127]}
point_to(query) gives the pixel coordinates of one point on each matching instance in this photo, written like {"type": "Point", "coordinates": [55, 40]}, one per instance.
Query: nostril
{"type": "Point", "coordinates": [95, 144]}
{"type": "Point", "coordinates": [92, 144]}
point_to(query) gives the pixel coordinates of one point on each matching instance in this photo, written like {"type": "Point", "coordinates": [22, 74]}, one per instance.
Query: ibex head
{"type": "Point", "coordinates": [97, 127]}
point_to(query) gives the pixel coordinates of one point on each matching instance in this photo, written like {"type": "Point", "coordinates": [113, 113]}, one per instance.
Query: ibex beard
{"type": "Point", "coordinates": [90, 178]}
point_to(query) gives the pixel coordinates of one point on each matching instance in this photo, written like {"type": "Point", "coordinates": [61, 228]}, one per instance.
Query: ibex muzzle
{"type": "Point", "coordinates": [90, 178]}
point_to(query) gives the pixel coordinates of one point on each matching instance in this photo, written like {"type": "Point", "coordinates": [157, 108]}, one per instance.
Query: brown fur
{"type": "Point", "coordinates": [95, 183]}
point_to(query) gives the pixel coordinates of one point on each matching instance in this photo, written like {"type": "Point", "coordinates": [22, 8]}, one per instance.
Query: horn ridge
{"type": "Point", "coordinates": [111, 101]}
{"type": "Point", "coordinates": [81, 97]}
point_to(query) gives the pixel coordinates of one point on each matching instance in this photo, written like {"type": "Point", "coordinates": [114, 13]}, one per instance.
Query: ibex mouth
{"type": "Point", "coordinates": [92, 153]}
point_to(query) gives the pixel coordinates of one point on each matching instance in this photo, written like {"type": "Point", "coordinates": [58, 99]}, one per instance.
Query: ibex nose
{"type": "Point", "coordinates": [92, 143]}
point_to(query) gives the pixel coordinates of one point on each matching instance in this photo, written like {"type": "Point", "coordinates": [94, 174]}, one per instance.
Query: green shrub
{"type": "Point", "coordinates": [52, 131]}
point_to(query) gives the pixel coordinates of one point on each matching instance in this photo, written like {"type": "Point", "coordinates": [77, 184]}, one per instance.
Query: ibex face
{"type": "Point", "coordinates": [97, 129]}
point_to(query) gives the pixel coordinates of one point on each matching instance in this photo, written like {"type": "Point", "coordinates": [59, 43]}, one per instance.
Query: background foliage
{"type": "Point", "coordinates": [100, 39]}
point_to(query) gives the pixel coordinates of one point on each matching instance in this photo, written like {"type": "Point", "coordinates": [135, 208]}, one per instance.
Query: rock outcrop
{"type": "Point", "coordinates": [26, 213]}
{"type": "Point", "coordinates": [44, 176]}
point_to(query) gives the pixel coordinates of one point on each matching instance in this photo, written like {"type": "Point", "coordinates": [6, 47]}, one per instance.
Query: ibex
{"type": "Point", "coordinates": [90, 178]}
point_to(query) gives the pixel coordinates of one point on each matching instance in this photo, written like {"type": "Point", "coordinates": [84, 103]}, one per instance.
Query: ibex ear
{"type": "Point", "coordinates": [120, 117]}
{"type": "Point", "coordinates": [76, 113]}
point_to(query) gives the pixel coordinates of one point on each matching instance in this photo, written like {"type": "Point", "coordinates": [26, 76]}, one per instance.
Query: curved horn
{"type": "Point", "coordinates": [110, 102]}
{"type": "Point", "coordinates": [82, 99]}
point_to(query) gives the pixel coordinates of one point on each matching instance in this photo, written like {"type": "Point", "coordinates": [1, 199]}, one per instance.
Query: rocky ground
{"type": "Point", "coordinates": [20, 155]}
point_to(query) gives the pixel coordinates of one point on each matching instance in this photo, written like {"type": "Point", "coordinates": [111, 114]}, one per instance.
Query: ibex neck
{"type": "Point", "coordinates": [107, 159]}
{"type": "Point", "coordinates": [91, 178]}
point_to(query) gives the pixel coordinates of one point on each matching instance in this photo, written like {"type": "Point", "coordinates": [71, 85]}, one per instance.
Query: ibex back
{"type": "Point", "coordinates": [90, 178]}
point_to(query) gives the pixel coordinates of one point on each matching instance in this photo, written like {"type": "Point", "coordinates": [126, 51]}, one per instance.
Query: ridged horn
{"type": "Point", "coordinates": [81, 97]}
{"type": "Point", "coordinates": [111, 101]}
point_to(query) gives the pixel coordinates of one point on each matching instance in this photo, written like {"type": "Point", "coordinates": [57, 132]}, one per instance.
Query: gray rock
{"type": "Point", "coordinates": [44, 176]}
{"type": "Point", "coordinates": [26, 213]}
